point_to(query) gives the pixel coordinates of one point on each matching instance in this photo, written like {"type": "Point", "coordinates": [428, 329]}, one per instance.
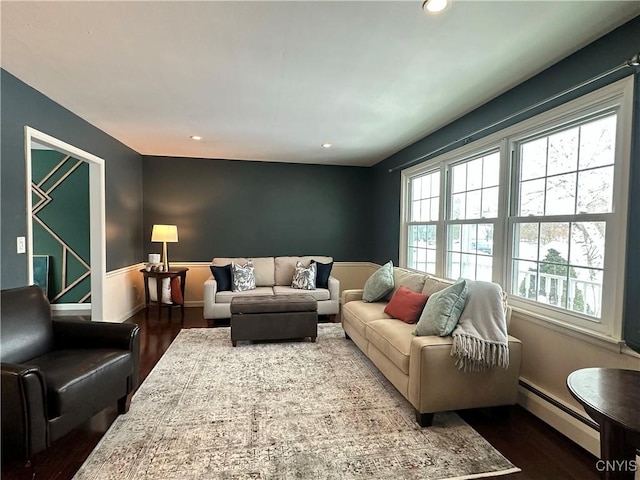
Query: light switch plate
{"type": "Point", "coordinates": [21, 245]}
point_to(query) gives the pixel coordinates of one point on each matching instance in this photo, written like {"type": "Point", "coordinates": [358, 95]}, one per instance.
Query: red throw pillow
{"type": "Point", "coordinates": [406, 305]}
{"type": "Point", "coordinates": [176, 292]}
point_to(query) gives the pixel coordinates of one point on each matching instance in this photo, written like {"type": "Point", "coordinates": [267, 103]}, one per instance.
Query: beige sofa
{"type": "Point", "coordinates": [421, 368]}
{"type": "Point", "coordinates": [273, 276]}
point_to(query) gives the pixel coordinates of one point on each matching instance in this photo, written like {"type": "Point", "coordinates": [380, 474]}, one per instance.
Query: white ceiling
{"type": "Point", "coordinates": [273, 80]}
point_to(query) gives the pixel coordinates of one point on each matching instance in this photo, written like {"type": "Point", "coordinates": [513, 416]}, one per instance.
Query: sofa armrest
{"type": "Point", "coordinates": [352, 295]}
{"type": "Point", "coordinates": [210, 290]}
{"type": "Point", "coordinates": [88, 334]}
{"type": "Point", "coordinates": [24, 416]}
{"type": "Point", "coordinates": [334, 288]}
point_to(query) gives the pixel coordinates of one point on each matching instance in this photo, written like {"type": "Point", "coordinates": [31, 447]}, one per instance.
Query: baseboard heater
{"type": "Point", "coordinates": [561, 406]}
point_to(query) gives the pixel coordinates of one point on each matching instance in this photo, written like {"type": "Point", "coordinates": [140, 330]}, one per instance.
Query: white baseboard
{"type": "Point", "coordinates": [66, 309]}
{"type": "Point", "coordinates": [576, 430]}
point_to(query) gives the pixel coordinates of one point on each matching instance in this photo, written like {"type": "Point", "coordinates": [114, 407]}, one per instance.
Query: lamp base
{"type": "Point", "coordinates": [165, 257]}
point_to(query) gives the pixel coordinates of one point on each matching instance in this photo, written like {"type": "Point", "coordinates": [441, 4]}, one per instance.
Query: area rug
{"type": "Point", "coordinates": [280, 410]}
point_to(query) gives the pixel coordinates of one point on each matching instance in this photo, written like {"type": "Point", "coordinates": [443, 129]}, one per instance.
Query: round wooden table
{"type": "Point", "coordinates": [611, 397]}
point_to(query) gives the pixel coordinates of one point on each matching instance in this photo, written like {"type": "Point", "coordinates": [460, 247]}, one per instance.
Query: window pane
{"type": "Point", "coordinates": [431, 236]}
{"type": "Point", "coordinates": [485, 268]}
{"type": "Point", "coordinates": [595, 190]}
{"type": "Point", "coordinates": [453, 265]}
{"type": "Point", "coordinates": [554, 243]}
{"type": "Point", "coordinates": [474, 174]}
{"type": "Point", "coordinates": [412, 257]}
{"type": "Point", "coordinates": [587, 244]}
{"type": "Point", "coordinates": [415, 211]}
{"type": "Point", "coordinates": [431, 261]}
{"type": "Point", "coordinates": [457, 206]}
{"type": "Point", "coordinates": [525, 241]}
{"type": "Point", "coordinates": [561, 195]}
{"type": "Point", "coordinates": [453, 238]}
{"type": "Point", "coordinates": [490, 202]}
{"type": "Point", "coordinates": [474, 204]}
{"type": "Point", "coordinates": [597, 142]}
{"type": "Point", "coordinates": [416, 188]}
{"type": "Point", "coordinates": [468, 240]}
{"type": "Point", "coordinates": [468, 266]}
{"type": "Point", "coordinates": [525, 279]}
{"type": "Point", "coordinates": [532, 197]}
{"type": "Point", "coordinates": [491, 170]}
{"type": "Point", "coordinates": [563, 152]}
{"type": "Point", "coordinates": [435, 184]}
{"type": "Point", "coordinates": [459, 175]}
{"type": "Point", "coordinates": [435, 209]}
{"type": "Point", "coordinates": [484, 239]}
{"type": "Point", "coordinates": [585, 292]}
{"type": "Point", "coordinates": [534, 159]}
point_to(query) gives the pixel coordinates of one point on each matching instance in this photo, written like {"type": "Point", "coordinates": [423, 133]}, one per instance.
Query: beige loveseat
{"type": "Point", "coordinates": [273, 276]}
{"type": "Point", "coordinates": [421, 368]}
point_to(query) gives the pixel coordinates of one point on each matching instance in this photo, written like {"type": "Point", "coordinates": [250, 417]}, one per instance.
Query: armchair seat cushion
{"type": "Point", "coordinates": [77, 377]}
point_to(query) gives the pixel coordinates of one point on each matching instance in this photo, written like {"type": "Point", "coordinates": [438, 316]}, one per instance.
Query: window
{"type": "Point", "coordinates": [564, 203]}
{"type": "Point", "coordinates": [473, 199]}
{"type": "Point", "coordinates": [424, 212]}
{"type": "Point", "coordinates": [539, 207]}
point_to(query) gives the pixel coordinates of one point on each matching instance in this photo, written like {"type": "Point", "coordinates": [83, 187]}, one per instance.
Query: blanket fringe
{"type": "Point", "coordinates": [473, 354]}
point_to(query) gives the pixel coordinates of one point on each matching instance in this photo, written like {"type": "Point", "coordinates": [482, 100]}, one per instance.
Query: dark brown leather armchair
{"type": "Point", "coordinates": [56, 374]}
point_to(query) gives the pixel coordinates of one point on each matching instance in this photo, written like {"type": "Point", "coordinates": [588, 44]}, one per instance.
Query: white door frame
{"type": "Point", "coordinates": [96, 214]}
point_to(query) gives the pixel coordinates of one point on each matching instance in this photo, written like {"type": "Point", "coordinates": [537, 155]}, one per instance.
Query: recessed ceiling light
{"type": "Point", "coordinates": [435, 6]}
{"type": "Point", "coordinates": [196, 137]}
{"type": "Point", "coordinates": [327, 145]}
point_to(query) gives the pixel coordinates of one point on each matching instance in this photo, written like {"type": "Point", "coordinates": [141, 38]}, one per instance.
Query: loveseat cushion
{"type": "Point", "coordinates": [225, 297]}
{"type": "Point", "coordinates": [319, 293]}
{"type": "Point", "coordinates": [393, 338]}
{"type": "Point", "coordinates": [359, 314]}
{"type": "Point", "coordinates": [433, 285]}
{"type": "Point", "coordinates": [76, 377]}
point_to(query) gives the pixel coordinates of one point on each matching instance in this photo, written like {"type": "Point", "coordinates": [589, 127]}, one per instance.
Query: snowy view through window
{"type": "Point", "coordinates": [565, 192]}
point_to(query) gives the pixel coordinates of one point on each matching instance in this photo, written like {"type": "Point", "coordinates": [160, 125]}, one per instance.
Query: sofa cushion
{"type": "Point", "coordinates": [442, 311]}
{"type": "Point", "coordinates": [263, 268]}
{"type": "Point", "coordinates": [285, 266]}
{"type": "Point", "coordinates": [73, 377]}
{"type": "Point", "coordinates": [379, 283]}
{"type": "Point", "coordinates": [359, 314]}
{"type": "Point", "coordinates": [243, 277]}
{"type": "Point", "coordinates": [319, 293]}
{"type": "Point", "coordinates": [433, 285]}
{"type": "Point", "coordinates": [304, 278]}
{"type": "Point", "coordinates": [406, 305]}
{"type": "Point", "coordinates": [393, 338]}
{"type": "Point", "coordinates": [225, 297]}
{"type": "Point", "coordinates": [406, 278]}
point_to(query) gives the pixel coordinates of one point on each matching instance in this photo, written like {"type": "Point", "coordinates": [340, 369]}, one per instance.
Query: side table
{"type": "Point", "coordinates": [159, 276]}
{"type": "Point", "coordinates": [611, 397]}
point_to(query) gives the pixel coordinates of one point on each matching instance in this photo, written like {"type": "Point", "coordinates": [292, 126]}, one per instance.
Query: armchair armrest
{"type": "Point", "coordinates": [24, 416]}
{"type": "Point", "coordinates": [352, 295]}
{"type": "Point", "coordinates": [87, 334]}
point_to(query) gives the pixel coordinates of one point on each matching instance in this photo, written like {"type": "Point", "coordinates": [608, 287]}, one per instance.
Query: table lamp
{"type": "Point", "coordinates": [164, 234]}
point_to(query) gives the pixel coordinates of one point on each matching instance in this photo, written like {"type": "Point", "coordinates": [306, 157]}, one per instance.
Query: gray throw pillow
{"type": "Point", "coordinates": [379, 284]}
{"type": "Point", "coordinates": [304, 278]}
{"type": "Point", "coordinates": [442, 311]}
{"type": "Point", "coordinates": [243, 277]}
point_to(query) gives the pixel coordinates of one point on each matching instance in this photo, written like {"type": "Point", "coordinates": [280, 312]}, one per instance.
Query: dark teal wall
{"type": "Point", "coordinates": [22, 105]}
{"type": "Point", "coordinates": [238, 208]}
{"type": "Point", "coordinates": [604, 54]}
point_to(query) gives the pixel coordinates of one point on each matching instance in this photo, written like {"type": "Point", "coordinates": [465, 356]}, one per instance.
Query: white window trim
{"type": "Point", "coordinates": [618, 94]}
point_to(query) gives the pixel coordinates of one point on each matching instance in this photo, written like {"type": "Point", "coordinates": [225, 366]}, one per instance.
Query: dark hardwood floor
{"type": "Point", "coordinates": [540, 451]}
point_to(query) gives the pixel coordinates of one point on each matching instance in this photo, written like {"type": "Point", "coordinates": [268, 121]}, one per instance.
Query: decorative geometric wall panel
{"type": "Point", "coordinates": [60, 213]}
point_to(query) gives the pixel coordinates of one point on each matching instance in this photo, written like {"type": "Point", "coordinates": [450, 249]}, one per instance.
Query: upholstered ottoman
{"type": "Point", "coordinates": [273, 317]}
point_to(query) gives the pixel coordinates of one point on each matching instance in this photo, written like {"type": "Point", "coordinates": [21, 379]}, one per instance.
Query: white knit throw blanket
{"type": "Point", "coordinates": [480, 340]}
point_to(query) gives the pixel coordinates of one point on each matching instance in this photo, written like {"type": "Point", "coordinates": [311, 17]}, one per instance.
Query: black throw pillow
{"type": "Point", "coordinates": [322, 274]}
{"type": "Point", "coordinates": [223, 277]}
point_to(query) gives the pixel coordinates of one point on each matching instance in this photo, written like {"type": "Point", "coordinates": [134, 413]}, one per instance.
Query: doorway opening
{"type": "Point", "coordinates": [94, 270]}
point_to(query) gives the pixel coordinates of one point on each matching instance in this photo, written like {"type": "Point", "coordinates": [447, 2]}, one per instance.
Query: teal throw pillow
{"type": "Point", "coordinates": [442, 311]}
{"type": "Point", "coordinates": [379, 284]}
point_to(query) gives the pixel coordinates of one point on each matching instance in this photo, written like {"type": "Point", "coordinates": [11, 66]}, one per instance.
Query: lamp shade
{"type": "Point", "coordinates": [164, 233]}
